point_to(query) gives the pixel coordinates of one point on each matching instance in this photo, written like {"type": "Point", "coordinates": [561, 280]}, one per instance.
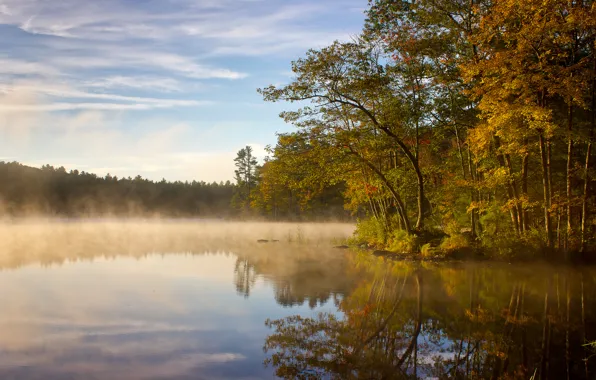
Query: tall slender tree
{"type": "Point", "coordinates": [246, 177]}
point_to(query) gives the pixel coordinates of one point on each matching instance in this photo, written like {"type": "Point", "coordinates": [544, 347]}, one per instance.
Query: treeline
{"type": "Point", "coordinates": [26, 190]}
{"type": "Point", "coordinates": [460, 116]}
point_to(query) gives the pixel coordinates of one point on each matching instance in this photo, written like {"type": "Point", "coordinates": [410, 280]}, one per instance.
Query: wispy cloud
{"type": "Point", "coordinates": [28, 97]}
{"type": "Point", "coordinates": [137, 59]}
{"type": "Point", "coordinates": [72, 93]}
{"type": "Point", "coordinates": [23, 67]}
{"type": "Point", "coordinates": [90, 106]}
{"type": "Point", "coordinates": [81, 78]}
{"type": "Point", "coordinates": [160, 84]}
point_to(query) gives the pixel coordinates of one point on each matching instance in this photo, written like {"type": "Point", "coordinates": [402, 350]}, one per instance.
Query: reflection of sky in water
{"type": "Point", "coordinates": [173, 316]}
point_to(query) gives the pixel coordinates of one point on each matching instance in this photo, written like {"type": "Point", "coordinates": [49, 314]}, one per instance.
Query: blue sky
{"type": "Point", "coordinates": [160, 88]}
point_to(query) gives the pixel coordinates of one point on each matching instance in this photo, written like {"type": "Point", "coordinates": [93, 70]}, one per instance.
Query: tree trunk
{"type": "Point", "coordinates": [549, 172]}
{"type": "Point", "coordinates": [373, 208]}
{"type": "Point", "coordinates": [401, 208]}
{"type": "Point", "coordinates": [588, 163]}
{"type": "Point", "coordinates": [464, 176]}
{"type": "Point", "coordinates": [417, 330]}
{"type": "Point", "coordinates": [558, 230]}
{"type": "Point", "coordinates": [421, 199]}
{"type": "Point", "coordinates": [510, 193]}
{"type": "Point", "coordinates": [415, 165]}
{"type": "Point", "coordinates": [460, 152]}
{"type": "Point", "coordinates": [585, 213]}
{"type": "Point", "coordinates": [546, 190]}
{"type": "Point", "coordinates": [524, 187]}
{"type": "Point", "coordinates": [476, 226]}
{"type": "Point", "coordinates": [513, 185]}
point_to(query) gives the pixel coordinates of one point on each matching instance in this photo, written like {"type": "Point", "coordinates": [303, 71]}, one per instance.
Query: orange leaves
{"type": "Point", "coordinates": [370, 189]}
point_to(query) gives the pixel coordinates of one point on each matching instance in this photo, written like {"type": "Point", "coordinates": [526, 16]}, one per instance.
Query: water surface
{"type": "Point", "coordinates": [154, 300]}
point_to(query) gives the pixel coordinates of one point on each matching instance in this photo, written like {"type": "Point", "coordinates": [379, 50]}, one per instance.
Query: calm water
{"type": "Point", "coordinates": [115, 303]}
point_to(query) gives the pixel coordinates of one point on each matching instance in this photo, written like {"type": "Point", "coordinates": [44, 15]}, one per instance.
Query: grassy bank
{"type": "Point", "coordinates": [454, 242]}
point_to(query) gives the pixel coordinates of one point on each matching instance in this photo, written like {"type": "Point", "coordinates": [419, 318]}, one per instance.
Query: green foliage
{"type": "Point", "coordinates": [246, 178]}
{"type": "Point", "coordinates": [284, 191]}
{"type": "Point", "coordinates": [371, 231]}
{"type": "Point", "coordinates": [427, 251]}
{"type": "Point", "coordinates": [507, 245]}
{"type": "Point", "coordinates": [402, 242]}
{"type": "Point", "coordinates": [454, 242]}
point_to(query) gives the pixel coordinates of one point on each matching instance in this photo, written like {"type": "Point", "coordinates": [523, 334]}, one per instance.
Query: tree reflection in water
{"type": "Point", "coordinates": [298, 276]}
{"type": "Point", "coordinates": [245, 276]}
{"type": "Point", "coordinates": [477, 321]}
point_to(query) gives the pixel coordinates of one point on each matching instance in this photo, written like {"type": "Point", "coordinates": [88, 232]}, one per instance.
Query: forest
{"type": "Point", "coordinates": [28, 191]}
{"type": "Point", "coordinates": [467, 122]}
{"type": "Point", "coordinates": [51, 191]}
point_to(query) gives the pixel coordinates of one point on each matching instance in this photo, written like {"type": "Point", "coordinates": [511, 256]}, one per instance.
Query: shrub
{"type": "Point", "coordinates": [401, 241]}
{"type": "Point", "coordinates": [371, 231]}
{"type": "Point", "coordinates": [427, 251]}
{"type": "Point", "coordinates": [508, 245]}
{"type": "Point", "coordinates": [454, 242]}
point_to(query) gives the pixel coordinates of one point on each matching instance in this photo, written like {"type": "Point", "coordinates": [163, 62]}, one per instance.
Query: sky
{"type": "Point", "coordinates": [157, 88]}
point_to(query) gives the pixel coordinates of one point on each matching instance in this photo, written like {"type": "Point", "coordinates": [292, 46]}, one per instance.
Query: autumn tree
{"type": "Point", "coordinates": [351, 93]}
{"type": "Point", "coordinates": [531, 78]}
{"type": "Point", "coordinates": [458, 115]}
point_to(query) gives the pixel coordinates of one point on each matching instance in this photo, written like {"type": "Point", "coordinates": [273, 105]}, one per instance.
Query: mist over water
{"type": "Point", "coordinates": [196, 299]}
{"type": "Point", "coordinates": [46, 241]}
{"type": "Point", "coordinates": [157, 299]}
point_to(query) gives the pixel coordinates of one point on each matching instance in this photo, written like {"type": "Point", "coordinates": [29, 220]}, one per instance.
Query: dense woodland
{"type": "Point", "coordinates": [54, 191]}
{"type": "Point", "coordinates": [28, 191]}
{"type": "Point", "coordinates": [470, 118]}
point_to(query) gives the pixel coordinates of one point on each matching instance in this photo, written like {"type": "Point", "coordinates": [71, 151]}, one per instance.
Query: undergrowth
{"type": "Point", "coordinates": [453, 241]}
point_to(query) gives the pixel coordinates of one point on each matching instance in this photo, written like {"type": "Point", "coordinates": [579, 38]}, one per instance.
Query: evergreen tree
{"type": "Point", "coordinates": [246, 178]}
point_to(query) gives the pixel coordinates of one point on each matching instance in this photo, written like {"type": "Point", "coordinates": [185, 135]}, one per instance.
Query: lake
{"type": "Point", "coordinates": [205, 300]}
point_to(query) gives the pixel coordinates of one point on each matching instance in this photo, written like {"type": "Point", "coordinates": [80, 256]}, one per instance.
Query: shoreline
{"type": "Point", "coordinates": [471, 255]}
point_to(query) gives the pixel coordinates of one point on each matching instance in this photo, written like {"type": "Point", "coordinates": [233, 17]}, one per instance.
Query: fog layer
{"type": "Point", "coordinates": [54, 241]}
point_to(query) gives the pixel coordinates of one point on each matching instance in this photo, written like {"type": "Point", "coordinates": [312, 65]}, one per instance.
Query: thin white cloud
{"type": "Point", "coordinates": [65, 92]}
{"type": "Point", "coordinates": [225, 22]}
{"type": "Point", "coordinates": [162, 84]}
{"type": "Point", "coordinates": [54, 107]}
{"type": "Point", "coordinates": [28, 97]}
{"type": "Point", "coordinates": [184, 65]}
{"type": "Point", "coordinates": [122, 58]}
{"type": "Point", "coordinates": [284, 42]}
{"type": "Point", "coordinates": [4, 10]}
{"type": "Point", "coordinates": [13, 66]}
